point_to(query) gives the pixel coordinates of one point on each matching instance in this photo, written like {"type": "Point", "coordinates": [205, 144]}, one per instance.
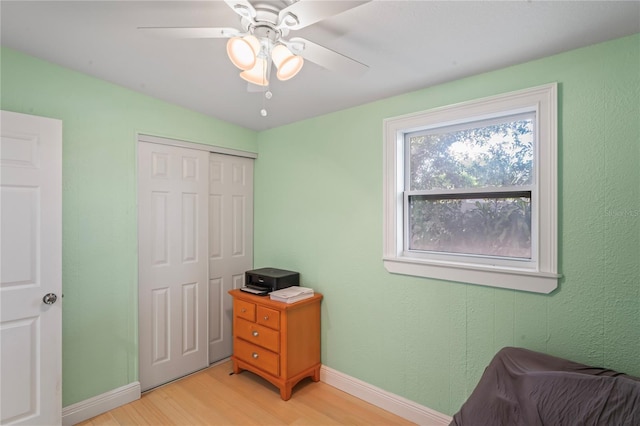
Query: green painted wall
{"type": "Point", "coordinates": [318, 210]}
{"type": "Point", "coordinates": [99, 255]}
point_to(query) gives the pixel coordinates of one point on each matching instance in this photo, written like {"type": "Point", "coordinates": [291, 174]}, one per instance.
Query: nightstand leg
{"type": "Point", "coordinates": [285, 392]}
{"type": "Point", "coordinates": [236, 369]}
{"type": "Point", "coordinates": [316, 374]}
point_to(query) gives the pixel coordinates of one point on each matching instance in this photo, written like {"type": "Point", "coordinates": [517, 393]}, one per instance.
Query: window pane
{"type": "Point", "coordinates": [483, 154]}
{"type": "Point", "coordinates": [481, 226]}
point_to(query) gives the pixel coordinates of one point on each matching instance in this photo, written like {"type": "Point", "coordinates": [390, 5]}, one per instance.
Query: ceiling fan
{"type": "Point", "coordinates": [263, 38]}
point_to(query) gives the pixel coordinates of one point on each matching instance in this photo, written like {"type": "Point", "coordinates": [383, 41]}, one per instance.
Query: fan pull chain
{"type": "Point", "coordinates": [266, 50]}
{"type": "Point", "coordinates": [267, 94]}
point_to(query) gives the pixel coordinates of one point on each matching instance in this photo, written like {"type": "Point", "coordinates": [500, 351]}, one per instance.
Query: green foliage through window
{"type": "Point", "coordinates": [469, 187]}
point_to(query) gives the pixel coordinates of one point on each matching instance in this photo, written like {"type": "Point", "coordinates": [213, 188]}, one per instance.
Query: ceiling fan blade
{"type": "Point", "coordinates": [191, 32]}
{"type": "Point", "coordinates": [304, 13]}
{"type": "Point", "coordinates": [242, 8]}
{"type": "Point", "coordinates": [325, 57]}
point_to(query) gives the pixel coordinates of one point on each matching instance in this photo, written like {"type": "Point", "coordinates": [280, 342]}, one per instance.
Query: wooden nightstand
{"type": "Point", "coordinates": [278, 341]}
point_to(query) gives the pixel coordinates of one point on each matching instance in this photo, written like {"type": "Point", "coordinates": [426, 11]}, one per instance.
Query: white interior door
{"type": "Point", "coordinates": [172, 265]}
{"type": "Point", "coordinates": [230, 243]}
{"type": "Point", "coordinates": [31, 227]}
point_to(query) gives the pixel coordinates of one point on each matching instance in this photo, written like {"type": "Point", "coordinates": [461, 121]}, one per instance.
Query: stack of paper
{"type": "Point", "coordinates": [291, 294]}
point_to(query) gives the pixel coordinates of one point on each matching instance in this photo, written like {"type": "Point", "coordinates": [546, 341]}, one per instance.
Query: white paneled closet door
{"type": "Point", "coordinates": [173, 261]}
{"type": "Point", "coordinates": [230, 243]}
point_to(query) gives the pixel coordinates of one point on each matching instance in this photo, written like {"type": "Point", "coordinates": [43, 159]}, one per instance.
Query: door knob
{"type": "Point", "coordinates": [49, 299]}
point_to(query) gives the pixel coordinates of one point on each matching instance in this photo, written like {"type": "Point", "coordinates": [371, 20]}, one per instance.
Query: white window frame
{"type": "Point", "coordinates": [538, 275]}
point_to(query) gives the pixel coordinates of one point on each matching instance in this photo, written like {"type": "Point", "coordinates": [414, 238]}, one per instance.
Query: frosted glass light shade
{"type": "Point", "coordinates": [257, 74]}
{"type": "Point", "coordinates": [242, 51]}
{"type": "Point", "coordinates": [287, 63]}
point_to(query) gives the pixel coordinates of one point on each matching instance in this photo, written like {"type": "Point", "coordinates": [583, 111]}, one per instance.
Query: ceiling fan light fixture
{"type": "Point", "coordinates": [257, 74]}
{"type": "Point", "coordinates": [243, 51]}
{"type": "Point", "coordinates": [287, 63]}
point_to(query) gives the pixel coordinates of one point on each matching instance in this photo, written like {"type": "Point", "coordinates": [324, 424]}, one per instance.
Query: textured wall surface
{"type": "Point", "coordinates": [319, 211]}
{"type": "Point", "coordinates": [99, 255]}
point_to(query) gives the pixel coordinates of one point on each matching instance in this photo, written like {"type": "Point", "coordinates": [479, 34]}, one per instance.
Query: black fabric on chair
{"type": "Point", "coordinates": [523, 387]}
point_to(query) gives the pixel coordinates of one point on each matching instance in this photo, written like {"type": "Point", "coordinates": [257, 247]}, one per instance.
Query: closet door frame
{"type": "Point", "coordinates": [142, 137]}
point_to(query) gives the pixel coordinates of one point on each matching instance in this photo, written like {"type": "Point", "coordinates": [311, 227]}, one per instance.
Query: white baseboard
{"type": "Point", "coordinates": [99, 404]}
{"type": "Point", "coordinates": [393, 403]}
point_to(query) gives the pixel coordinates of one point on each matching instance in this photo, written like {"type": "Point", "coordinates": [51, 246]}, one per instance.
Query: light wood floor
{"type": "Point", "coordinates": [214, 397]}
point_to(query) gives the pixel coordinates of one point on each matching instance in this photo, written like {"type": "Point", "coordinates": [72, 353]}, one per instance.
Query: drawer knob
{"type": "Point", "coordinates": [243, 310]}
{"type": "Point", "coordinates": [255, 333]}
{"type": "Point", "coordinates": [266, 317]}
{"type": "Point", "coordinates": [255, 355]}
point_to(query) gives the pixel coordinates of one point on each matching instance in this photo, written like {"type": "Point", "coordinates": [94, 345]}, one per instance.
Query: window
{"type": "Point", "coordinates": [470, 192]}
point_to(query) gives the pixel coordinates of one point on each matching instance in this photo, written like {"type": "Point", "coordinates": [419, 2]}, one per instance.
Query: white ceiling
{"type": "Point", "coordinates": [407, 45]}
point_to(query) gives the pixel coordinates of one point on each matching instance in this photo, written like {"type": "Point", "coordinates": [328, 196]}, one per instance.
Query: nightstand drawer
{"type": "Point", "coordinates": [243, 309]}
{"type": "Point", "coordinates": [257, 356]}
{"type": "Point", "coordinates": [268, 317]}
{"type": "Point", "coordinates": [257, 334]}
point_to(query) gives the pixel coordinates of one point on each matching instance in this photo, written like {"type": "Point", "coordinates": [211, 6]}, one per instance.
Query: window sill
{"type": "Point", "coordinates": [492, 276]}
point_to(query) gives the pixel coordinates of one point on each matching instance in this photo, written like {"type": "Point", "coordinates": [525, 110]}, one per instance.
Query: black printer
{"type": "Point", "coordinates": [265, 280]}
